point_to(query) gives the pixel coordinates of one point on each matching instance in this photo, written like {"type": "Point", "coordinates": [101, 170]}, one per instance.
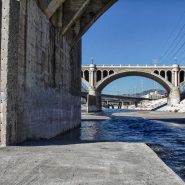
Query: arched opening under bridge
{"type": "Point", "coordinates": [171, 92]}
{"type": "Point", "coordinates": [101, 85]}
{"type": "Point", "coordinates": [129, 91]}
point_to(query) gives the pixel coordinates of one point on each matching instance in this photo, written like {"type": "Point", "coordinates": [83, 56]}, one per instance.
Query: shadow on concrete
{"type": "Point", "coordinates": [68, 138]}
{"type": "Point", "coordinates": [55, 142]}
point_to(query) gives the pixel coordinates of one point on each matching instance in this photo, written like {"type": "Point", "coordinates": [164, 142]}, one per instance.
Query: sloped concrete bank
{"type": "Point", "coordinates": [94, 117]}
{"type": "Point", "coordinates": [106, 163]}
{"type": "Point", "coordinates": [178, 118]}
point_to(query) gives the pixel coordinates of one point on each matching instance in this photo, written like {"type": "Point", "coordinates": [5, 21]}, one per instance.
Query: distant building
{"type": "Point", "coordinates": [154, 95]}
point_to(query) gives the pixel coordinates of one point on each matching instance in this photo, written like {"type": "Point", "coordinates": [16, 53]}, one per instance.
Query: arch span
{"type": "Point", "coordinates": [102, 84]}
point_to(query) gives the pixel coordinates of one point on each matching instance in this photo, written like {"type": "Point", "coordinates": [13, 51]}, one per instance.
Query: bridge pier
{"type": "Point", "coordinates": [136, 104]}
{"type": "Point", "coordinates": [94, 102]}
{"type": "Point", "coordinates": [174, 96]}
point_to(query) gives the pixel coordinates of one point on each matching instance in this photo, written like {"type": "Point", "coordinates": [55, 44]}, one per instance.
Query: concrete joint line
{"type": "Point", "coordinates": [52, 7]}
{"type": "Point", "coordinates": [76, 16]}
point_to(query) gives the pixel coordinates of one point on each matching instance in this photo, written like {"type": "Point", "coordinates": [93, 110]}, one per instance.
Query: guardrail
{"type": "Point", "coordinates": [144, 66]}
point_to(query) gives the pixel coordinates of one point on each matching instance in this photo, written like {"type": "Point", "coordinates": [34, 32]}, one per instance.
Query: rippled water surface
{"type": "Point", "coordinates": [166, 139]}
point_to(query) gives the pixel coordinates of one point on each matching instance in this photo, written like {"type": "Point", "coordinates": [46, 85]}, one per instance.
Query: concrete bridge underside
{"type": "Point", "coordinates": [40, 65]}
{"type": "Point", "coordinates": [172, 78]}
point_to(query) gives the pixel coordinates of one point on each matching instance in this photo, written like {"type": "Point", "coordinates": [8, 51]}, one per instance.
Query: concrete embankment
{"type": "Point", "coordinates": [150, 115]}
{"type": "Point", "coordinates": [95, 117]}
{"type": "Point", "coordinates": [84, 163]}
{"type": "Point", "coordinates": [177, 118]}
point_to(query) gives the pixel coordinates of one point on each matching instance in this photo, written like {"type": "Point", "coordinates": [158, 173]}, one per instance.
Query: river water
{"type": "Point", "coordinates": [166, 139]}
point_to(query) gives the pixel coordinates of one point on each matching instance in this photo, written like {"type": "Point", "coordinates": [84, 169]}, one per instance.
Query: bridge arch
{"type": "Point", "coordinates": [102, 84]}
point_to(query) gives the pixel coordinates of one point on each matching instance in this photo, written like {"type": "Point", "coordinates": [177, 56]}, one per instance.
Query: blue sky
{"type": "Point", "coordinates": [137, 32]}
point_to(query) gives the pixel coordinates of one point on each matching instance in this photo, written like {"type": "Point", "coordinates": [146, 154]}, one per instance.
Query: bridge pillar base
{"type": "Point", "coordinates": [93, 103]}
{"type": "Point", "coordinates": [174, 97]}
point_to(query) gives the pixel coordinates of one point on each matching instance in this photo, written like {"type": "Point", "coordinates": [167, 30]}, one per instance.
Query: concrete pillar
{"type": "Point", "coordinates": [107, 102]}
{"type": "Point", "coordinates": [166, 76]}
{"type": "Point", "coordinates": [94, 101]}
{"type": "Point", "coordinates": [9, 63]}
{"type": "Point", "coordinates": [174, 96]}
{"type": "Point", "coordinates": [92, 75]}
{"type": "Point", "coordinates": [175, 75]}
{"type": "Point", "coordinates": [101, 75]}
{"type": "Point", "coordinates": [121, 104]}
{"type": "Point", "coordinates": [94, 97]}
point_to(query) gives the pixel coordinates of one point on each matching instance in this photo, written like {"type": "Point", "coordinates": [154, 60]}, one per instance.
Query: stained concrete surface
{"type": "Point", "coordinates": [106, 163]}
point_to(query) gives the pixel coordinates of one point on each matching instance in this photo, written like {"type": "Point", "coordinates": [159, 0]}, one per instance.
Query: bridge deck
{"type": "Point", "coordinates": [82, 163]}
{"type": "Point", "coordinates": [84, 94]}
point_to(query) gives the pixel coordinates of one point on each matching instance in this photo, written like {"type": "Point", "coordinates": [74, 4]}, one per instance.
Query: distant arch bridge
{"type": "Point", "coordinates": [97, 77]}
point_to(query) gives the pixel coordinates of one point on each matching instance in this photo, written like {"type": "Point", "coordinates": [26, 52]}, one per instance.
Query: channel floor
{"type": "Point", "coordinates": [100, 163]}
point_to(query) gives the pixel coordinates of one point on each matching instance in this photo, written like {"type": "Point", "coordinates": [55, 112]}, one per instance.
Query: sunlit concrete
{"type": "Point", "coordinates": [151, 115]}
{"type": "Point", "coordinates": [94, 117]}
{"type": "Point", "coordinates": [80, 164]}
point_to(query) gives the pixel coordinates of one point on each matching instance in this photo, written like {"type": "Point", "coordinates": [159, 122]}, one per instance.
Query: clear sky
{"type": "Point", "coordinates": [137, 32]}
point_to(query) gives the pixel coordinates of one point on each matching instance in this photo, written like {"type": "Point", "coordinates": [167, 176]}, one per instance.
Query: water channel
{"type": "Point", "coordinates": [166, 139]}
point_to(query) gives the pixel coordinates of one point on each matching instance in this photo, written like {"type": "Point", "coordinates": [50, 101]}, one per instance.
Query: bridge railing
{"type": "Point", "coordinates": [133, 66]}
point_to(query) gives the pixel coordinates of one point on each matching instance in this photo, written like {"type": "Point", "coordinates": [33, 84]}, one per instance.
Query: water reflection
{"type": "Point", "coordinates": [166, 139]}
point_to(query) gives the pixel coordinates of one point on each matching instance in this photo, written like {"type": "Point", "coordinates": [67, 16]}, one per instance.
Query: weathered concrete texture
{"type": "Point", "coordinates": [93, 103]}
{"type": "Point", "coordinates": [49, 81]}
{"type": "Point", "coordinates": [174, 96]}
{"type": "Point", "coordinates": [9, 71]}
{"type": "Point", "coordinates": [97, 163]}
{"type": "Point", "coordinates": [40, 75]}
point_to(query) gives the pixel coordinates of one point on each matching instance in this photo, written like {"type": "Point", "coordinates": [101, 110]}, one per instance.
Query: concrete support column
{"type": "Point", "coordinates": [175, 75]}
{"type": "Point", "coordinates": [9, 70]}
{"type": "Point", "coordinates": [174, 96]}
{"type": "Point", "coordinates": [92, 75]}
{"type": "Point", "coordinates": [94, 101]}
{"type": "Point", "coordinates": [94, 97]}
{"type": "Point", "coordinates": [101, 75]}
{"type": "Point", "coordinates": [166, 76]}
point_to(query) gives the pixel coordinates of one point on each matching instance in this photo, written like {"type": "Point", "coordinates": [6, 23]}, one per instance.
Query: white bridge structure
{"type": "Point", "coordinates": [96, 77]}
